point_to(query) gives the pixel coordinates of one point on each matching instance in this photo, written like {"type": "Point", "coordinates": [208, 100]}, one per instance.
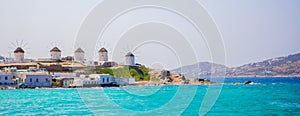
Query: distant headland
{"type": "Point", "coordinates": [286, 66]}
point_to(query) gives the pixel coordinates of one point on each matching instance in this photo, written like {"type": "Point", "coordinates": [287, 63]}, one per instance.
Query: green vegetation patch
{"type": "Point", "coordinates": [139, 73]}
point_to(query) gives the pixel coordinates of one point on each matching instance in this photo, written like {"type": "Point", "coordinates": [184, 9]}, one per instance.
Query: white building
{"type": "Point", "coordinates": [55, 54]}
{"type": "Point", "coordinates": [19, 55]}
{"type": "Point", "coordinates": [102, 78]}
{"type": "Point", "coordinates": [103, 57]}
{"type": "Point", "coordinates": [64, 81]}
{"type": "Point", "coordinates": [129, 59]}
{"type": "Point", "coordinates": [86, 81]}
{"type": "Point", "coordinates": [64, 75]}
{"type": "Point", "coordinates": [90, 83]}
{"type": "Point", "coordinates": [38, 80]}
{"type": "Point", "coordinates": [106, 79]}
{"type": "Point", "coordinates": [2, 60]}
{"type": "Point", "coordinates": [68, 82]}
{"type": "Point", "coordinates": [93, 80]}
{"type": "Point", "coordinates": [6, 79]}
{"type": "Point", "coordinates": [89, 63]}
{"type": "Point", "coordinates": [125, 81]}
{"type": "Point", "coordinates": [79, 55]}
{"type": "Point", "coordinates": [78, 81]}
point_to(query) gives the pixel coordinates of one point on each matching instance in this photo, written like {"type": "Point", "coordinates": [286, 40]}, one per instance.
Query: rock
{"type": "Point", "coordinates": [166, 77]}
{"type": "Point", "coordinates": [249, 82]}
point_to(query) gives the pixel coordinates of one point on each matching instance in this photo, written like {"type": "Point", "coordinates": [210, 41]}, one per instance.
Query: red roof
{"type": "Point", "coordinates": [102, 50]}
{"type": "Point", "coordinates": [129, 54]}
{"type": "Point", "coordinates": [19, 50]}
{"type": "Point", "coordinates": [55, 49]}
{"type": "Point", "coordinates": [79, 50]}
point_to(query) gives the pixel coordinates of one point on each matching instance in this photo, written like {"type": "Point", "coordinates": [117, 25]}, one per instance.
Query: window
{"type": "Point", "coordinates": [47, 80]}
{"type": "Point", "coordinates": [107, 80]}
{"type": "Point", "coordinates": [30, 80]}
{"type": "Point", "coordinates": [5, 77]}
{"type": "Point", "coordinates": [37, 80]}
{"type": "Point", "coordinates": [103, 80]}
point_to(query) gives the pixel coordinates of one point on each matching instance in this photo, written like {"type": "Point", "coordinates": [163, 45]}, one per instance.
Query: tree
{"type": "Point", "coordinates": [135, 74]}
{"type": "Point", "coordinates": [144, 70]}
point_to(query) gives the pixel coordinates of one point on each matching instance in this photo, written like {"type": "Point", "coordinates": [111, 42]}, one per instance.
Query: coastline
{"type": "Point", "coordinates": [149, 83]}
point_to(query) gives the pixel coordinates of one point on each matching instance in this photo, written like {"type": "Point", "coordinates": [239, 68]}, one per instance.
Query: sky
{"type": "Point", "coordinates": [252, 30]}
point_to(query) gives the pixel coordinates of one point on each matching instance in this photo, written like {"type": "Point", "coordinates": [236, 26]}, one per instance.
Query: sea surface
{"type": "Point", "coordinates": [268, 96]}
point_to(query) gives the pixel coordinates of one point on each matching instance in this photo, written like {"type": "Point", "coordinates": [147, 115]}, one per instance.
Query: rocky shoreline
{"type": "Point", "coordinates": [159, 77]}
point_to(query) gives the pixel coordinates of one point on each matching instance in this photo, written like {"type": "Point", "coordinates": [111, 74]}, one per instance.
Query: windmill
{"type": "Point", "coordinates": [103, 51]}
{"type": "Point", "coordinates": [18, 49]}
{"type": "Point", "coordinates": [130, 53]}
{"type": "Point", "coordinates": [55, 50]}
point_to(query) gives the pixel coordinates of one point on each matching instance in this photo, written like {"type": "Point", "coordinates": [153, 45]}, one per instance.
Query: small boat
{"type": "Point", "coordinates": [23, 85]}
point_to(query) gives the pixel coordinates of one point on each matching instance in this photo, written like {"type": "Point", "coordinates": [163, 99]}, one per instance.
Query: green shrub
{"type": "Point", "coordinates": [140, 73]}
{"type": "Point", "coordinates": [104, 71]}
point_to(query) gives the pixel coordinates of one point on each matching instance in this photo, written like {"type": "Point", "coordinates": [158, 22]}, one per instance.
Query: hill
{"type": "Point", "coordinates": [276, 67]}
{"type": "Point", "coordinates": [280, 66]}
{"type": "Point", "coordinates": [202, 69]}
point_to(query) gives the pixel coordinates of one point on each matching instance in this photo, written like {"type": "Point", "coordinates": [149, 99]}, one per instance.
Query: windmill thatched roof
{"type": "Point", "coordinates": [79, 50]}
{"type": "Point", "coordinates": [19, 50]}
{"type": "Point", "coordinates": [55, 49]}
{"type": "Point", "coordinates": [129, 54]}
{"type": "Point", "coordinates": [102, 50]}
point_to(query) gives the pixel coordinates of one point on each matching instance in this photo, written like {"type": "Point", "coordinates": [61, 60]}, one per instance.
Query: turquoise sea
{"type": "Point", "coordinates": [269, 96]}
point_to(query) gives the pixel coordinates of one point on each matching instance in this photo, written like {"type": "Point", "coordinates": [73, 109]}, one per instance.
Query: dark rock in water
{"type": "Point", "coordinates": [201, 80]}
{"type": "Point", "coordinates": [248, 82]}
